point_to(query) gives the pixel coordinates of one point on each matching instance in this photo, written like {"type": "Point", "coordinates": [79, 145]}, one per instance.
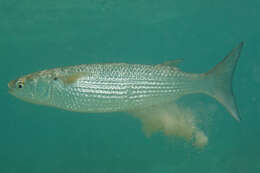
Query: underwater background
{"type": "Point", "coordinates": [38, 35]}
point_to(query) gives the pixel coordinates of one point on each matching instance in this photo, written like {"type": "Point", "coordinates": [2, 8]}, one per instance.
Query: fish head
{"type": "Point", "coordinates": [34, 88]}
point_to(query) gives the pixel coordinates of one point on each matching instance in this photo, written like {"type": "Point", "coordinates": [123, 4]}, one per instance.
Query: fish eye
{"type": "Point", "coordinates": [19, 84]}
{"type": "Point", "coordinates": [55, 78]}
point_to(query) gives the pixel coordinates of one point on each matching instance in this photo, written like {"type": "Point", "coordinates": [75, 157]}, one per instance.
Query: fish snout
{"type": "Point", "coordinates": [11, 85]}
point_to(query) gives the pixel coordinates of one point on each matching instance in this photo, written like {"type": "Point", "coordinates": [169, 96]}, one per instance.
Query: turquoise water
{"type": "Point", "coordinates": [37, 35]}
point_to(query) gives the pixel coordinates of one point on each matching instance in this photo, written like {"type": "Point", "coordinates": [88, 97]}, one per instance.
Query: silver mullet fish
{"type": "Point", "coordinates": [125, 87]}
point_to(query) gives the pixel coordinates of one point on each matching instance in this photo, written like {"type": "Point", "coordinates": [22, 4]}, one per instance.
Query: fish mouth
{"type": "Point", "coordinates": [11, 85]}
{"type": "Point", "coordinates": [10, 91]}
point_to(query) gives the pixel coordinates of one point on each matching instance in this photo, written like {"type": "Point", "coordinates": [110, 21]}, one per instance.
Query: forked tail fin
{"type": "Point", "coordinates": [218, 81]}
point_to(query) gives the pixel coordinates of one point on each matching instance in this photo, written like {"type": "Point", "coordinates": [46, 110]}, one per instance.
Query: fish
{"type": "Point", "coordinates": [123, 87]}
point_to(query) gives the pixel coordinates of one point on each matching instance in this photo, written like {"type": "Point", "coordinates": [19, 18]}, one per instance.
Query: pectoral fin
{"type": "Point", "coordinates": [72, 78]}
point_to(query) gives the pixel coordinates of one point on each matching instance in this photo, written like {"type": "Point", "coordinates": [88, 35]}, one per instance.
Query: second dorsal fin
{"type": "Point", "coordinates": [173, 63]}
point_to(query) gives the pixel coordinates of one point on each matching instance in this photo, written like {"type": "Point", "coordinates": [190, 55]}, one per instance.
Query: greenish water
{"type": "Point", "coordinates": [37, 35]}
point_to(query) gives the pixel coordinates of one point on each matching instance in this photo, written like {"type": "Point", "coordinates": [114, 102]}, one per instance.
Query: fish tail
{"type": "Point", "coordinates": [218, 81]}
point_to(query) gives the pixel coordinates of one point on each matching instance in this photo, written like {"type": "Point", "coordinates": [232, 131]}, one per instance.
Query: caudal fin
{"type": "Point", "coordinates": [218, 81]}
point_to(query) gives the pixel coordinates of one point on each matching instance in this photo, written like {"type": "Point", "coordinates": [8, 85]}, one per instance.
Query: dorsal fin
{"type": "Point", "coordinates": [173, 63]}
